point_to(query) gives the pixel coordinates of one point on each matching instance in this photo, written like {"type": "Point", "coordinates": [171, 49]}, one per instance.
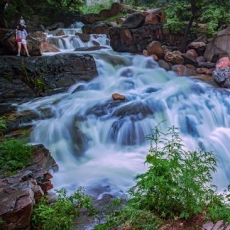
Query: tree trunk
{"type": "Point", "coordinates": [186, 33]}
{"type": "Point", "coordinates": [194, 10]}
{"type": "Point", "coordinates": [2, 18]}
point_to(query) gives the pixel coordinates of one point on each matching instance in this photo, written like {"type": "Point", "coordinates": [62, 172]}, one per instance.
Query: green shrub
{"type": "Point", "coordinates": [14, 155]}
{"type": "Point", "coordinates": [60, 215]}
{"type": "Point", "coordinates": [176, 185]}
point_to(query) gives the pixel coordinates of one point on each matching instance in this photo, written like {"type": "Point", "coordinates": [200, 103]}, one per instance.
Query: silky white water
{"type": "Point", "coordinates": [114, 132]}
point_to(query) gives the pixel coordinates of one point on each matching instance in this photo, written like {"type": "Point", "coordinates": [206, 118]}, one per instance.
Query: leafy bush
{"type": "Point", "coordinates": [176, 185]}
{"type": "Point", "coordinates": [14, 155]}
{"type": "Point", "coordinates": [176, 181]}
{"type": "Point", "coordinates": [60, 214]}
{"type": "Point", "coordinates": [219, 208]}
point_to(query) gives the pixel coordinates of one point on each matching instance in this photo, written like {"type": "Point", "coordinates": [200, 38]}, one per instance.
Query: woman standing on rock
{"type": "Point", "coordinates": [21, 35]}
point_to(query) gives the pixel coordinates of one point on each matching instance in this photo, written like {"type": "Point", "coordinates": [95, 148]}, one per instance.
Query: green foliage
{"type": "Point", "coordinates": [176, 185]}
{"type": "Point", "coordinates": [214, 17]}
{"type": "Point", "coordinates": [32, 80]}
{"type": "Point", "coordinates": [2, 222]}
{"type": "Point", "coordinates": [70, 4]}
{"type": "Point", "coordinates": [115, 18]}
{"type": "Point", "coordinates": [219, 208]}
{"type": "Point", "coordinates": [25, 72]}
{"type": "Point", "coordinates": [60, 215]}
{"type": "Point", "coordinates": [14, 155]}
{"type": "Point", "coordinates": [180, 13]}
{"type": "Point", "coordinates": [96, 8]}
{"type": "Point", "coordinates": [2, 124]}
{"type": "Point", "coordinates": [39, 84]}
{"type": "Point", "coordinates": [8, 76]}
{"type": "Point", "coordinates": [176, 181]}
{"type": "Point", "coordinates": [131, 218]}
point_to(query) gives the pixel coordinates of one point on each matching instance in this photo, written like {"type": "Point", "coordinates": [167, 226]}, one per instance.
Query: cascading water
{"type": "Point", "coordinates": [100, 143]}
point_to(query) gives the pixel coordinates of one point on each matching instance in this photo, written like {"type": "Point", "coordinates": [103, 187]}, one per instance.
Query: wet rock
{"type": "Point", "coordinates": [117, 96]}
{"type": "Point", "coordinates": [22, 79]}
{"type": "Point", "coordinates": [182, 70]}
{"type": "Point", "coordinates": [174, 57]}
{"type": "Point", "coordinates": [155, 48]}
{"type": "Point", "coordinates": [223, 62]}
{"type": "Point", "coordinates": [20, 192]}
{"type": "Point", "coordinates": [222, 77]}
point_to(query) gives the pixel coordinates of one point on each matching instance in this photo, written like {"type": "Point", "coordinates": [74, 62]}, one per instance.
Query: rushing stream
{"type": "Point", "coordinates": [115, 131]}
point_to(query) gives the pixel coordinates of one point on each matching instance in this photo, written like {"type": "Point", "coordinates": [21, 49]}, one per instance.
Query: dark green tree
{"type": "Point", "coordinates": [3, 4]}
{"type": "Point", "coordinates": [72, 4]}
{"type": "Point", "coordinates": [185, 15]}
{"type": "Point", "coordinates": [47, 10]}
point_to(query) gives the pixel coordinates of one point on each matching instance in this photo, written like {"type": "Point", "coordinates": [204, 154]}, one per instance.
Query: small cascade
{"type": "Point", "coordinates": [71, 40]}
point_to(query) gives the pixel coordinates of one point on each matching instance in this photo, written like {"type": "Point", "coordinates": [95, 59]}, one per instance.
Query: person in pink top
{"type": "Point", "coordinates": [21, 35]}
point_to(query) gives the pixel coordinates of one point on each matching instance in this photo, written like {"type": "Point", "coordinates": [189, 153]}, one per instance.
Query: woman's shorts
{"type": "Point", "coordinates": [24, 41]}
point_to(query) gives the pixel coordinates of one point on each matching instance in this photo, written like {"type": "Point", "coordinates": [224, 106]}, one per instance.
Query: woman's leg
{"type": "Point", "coordinates": [26, 49]}
{"type": "Point", "coordinates": [19, 48]}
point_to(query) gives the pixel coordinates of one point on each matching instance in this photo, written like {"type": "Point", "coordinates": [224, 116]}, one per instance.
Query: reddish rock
{"type": "Point", "coordinates": [116, 8]}
{"type": "Point", "coordinates": [182, 70]}
{"type": "Point", "coordinates": [20, 192]}
{"type": "Point", "coordinates": [154, 16]}
{"type": "Point", "coordinates": [155, 48]}
{"type": "Point", "coordinates": [117, 96]}
{"type": "Point", "coordinates": [223, 62]}
{"type": "Point", "coordinates": [47, 47]}
{"type": "Point", "coordinates": [174, 57]}
{"type": "Point", "coordinates": [151, 19]}
{"type": "Point", "coordinates": [192, 53]}
{"type": "Point", "coordinates": [204, 70]}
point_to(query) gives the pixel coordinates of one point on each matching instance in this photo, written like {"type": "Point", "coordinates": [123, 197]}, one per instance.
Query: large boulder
{"type": "Point", "coordinates": [154, 16]}
{"type": "Point", "coordinates": [24, 78]}
{"type": "Point", "coordinates": [134, 20]}
{"type": "Point", "coordinates": [124, 39]}
{"type": "Point", "coordinates": [96, 28]}
{"type": "Point", "coordinates": [222, 77]}
{"type": "Point", "coordinates": [219, 46]}
{"type": "Point", "coordinates": [19, 193]}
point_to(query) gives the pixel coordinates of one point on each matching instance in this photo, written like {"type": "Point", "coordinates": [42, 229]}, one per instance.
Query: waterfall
{"type": "Point", "coordinates": [101, 144]}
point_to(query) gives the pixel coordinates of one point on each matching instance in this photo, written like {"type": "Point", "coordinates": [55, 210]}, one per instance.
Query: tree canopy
{"type": "Point", "coordinates": [46, 10]}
